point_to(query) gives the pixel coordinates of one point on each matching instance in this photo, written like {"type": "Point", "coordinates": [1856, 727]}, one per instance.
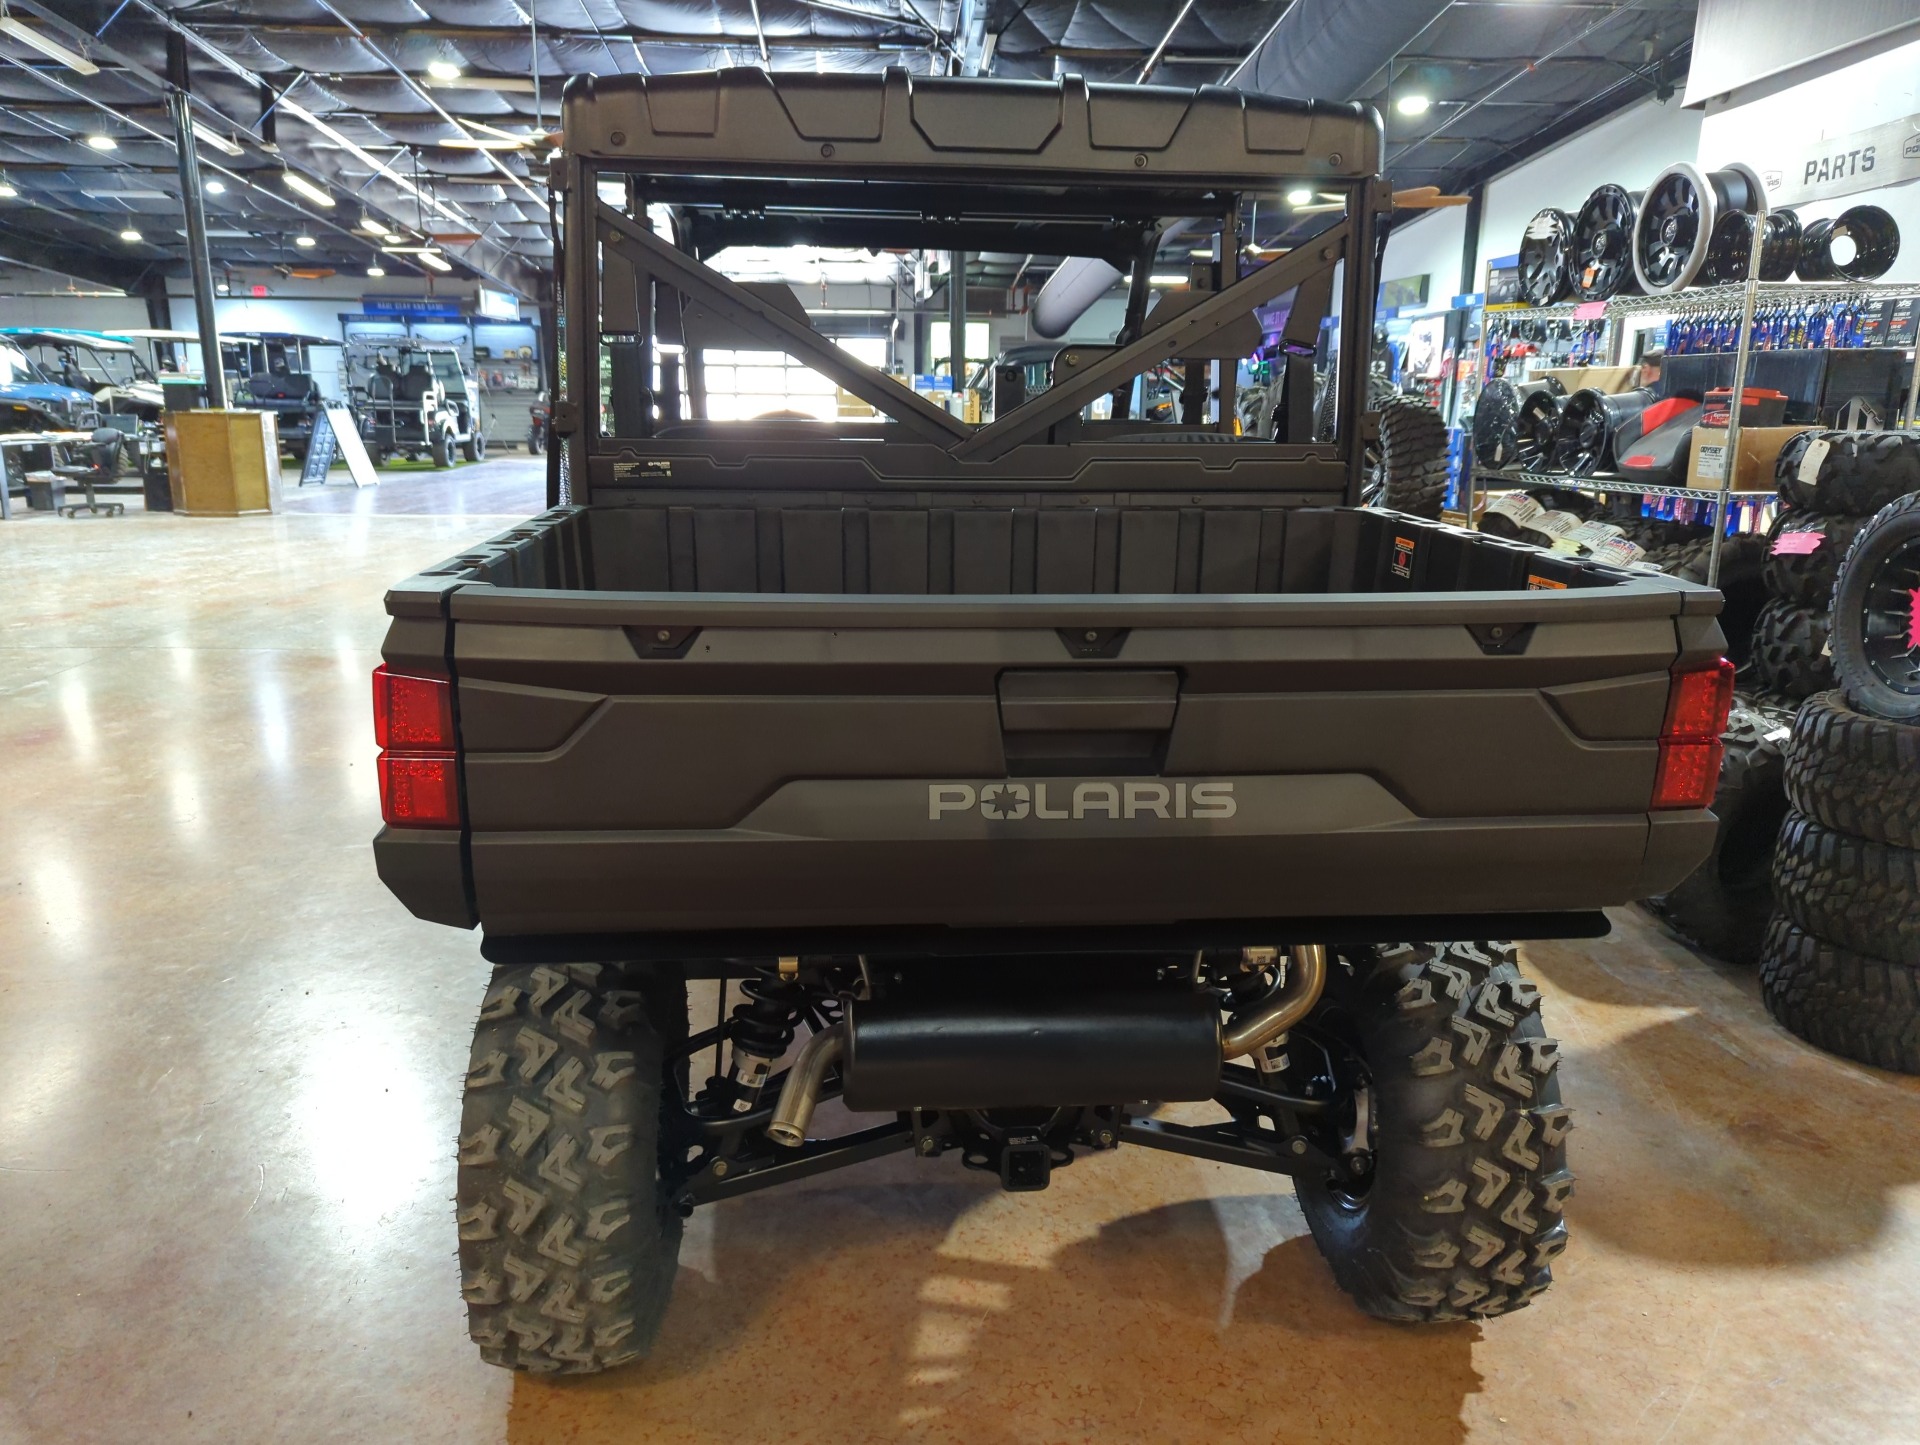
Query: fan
{"type": "Point", "coordinates": [1732, 247]}
{"type": "Point", "coordinates": [1677, 218]}
{"type": "Point", "coordinates": [1534, 429]}
{"type": "Point", "coordinates": [1860, 245]}
{"type": "Point", "coordinates": [1602, 265]}
{"type": "Point", "coordinates": [1544, 252]}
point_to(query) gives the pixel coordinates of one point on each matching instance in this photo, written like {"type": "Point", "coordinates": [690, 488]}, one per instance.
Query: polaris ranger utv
{"type": "Point", "coordinates": [1014, 780]}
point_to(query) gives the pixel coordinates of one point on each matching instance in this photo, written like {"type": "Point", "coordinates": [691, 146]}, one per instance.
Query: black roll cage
{"type": "Point", "coordinates": [631, 289]}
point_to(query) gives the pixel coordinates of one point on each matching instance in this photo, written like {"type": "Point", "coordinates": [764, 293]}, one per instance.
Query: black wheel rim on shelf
{"type": "Point", "coordinates": [1867, 232]}
{"type": "Point", "coordinates": [1583, 441]}
{"type": "Point", "coordinates": [1602, 264]}
{"type": "Point", "coordinates": [1677, 219]}
{"type": "Point", "coordinates": [1534, 430]}
{"type": "Point", "coordinates": [1495, 414]}
{"type": "Point", "coordinates": [1496, 419]}
{"type": "Point", "coordinates": [1732, 248]}
{"type": "Point", "coordinates": [1545, 254]}
{"type": "Point", "coordinates": [1888, 624]}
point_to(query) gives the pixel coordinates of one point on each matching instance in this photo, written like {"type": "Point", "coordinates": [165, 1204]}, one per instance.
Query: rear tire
{"type": "Point", "coordinates": [474, 448]}
{"type": "Point", "coordinates": [442, 449]}
{"type": "Point", "coordinates": [1462, 1214]}
{"type": "Point", "coordinates": [568, 1245]}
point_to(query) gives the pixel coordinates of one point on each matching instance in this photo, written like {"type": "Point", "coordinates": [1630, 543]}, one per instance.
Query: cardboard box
{"type": "Point", "coordinates": [1610, 379]}
{"type": "Point", "coordinates": [1759, 450]}
{"type": "Point", "coordinates": [223, 463]}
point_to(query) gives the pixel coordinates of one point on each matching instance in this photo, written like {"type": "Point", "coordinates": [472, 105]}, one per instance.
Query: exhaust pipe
{"type": "Point", "coordinates": [973, 1054]}
{"type": "Point", "coordinates": [802, 1089]}
{"type": "Point", "coordinates": [1290, 1000]}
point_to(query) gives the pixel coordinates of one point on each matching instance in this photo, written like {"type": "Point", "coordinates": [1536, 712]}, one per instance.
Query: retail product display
{"type": "Point", "coordinates": [1535, 429]}
{"type": "Point", "coordinates": [1860, 244]}
{"type": "Point", "coordinates": [1496, 419]}
{"type": "Point", "coordinates": [1678, 214]}
{"type": "Point", "coordinates": [1545, 253]}
{"type": "Point", "coordinates": [1841, 962]}
{"type": "Point", "coordinates": [1876, 611]}
{"type": "Point", "coordinates": [1583, 440]}
{"type": "Point", "coordinates": [1784, 324]}
{"type": "Point", "coordinates": [1730, 251]}
{"type": "Point", "coordinates": [1602, 265]}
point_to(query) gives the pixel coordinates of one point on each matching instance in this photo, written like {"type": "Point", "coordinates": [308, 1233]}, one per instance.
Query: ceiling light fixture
{"type": "Point", "coordinates": [47, 45]}
{"type": "Point", "coordinates": [8, 190]}
{"type": "Point", "coordinates": [307, 188]}
{"type": "Point", "coordinates": [1299, 196]}
{"type": "Point", "coordinates": [435, 260]}
{"type": "Point", "coordinates": [215, 187]}
{"type": "Point", "coordinates": [1169, 279]}
{"type": "Point", "coordinates": [376, 271]}
{"type": "Point", "coordinates": [304, 242]}
{"type": "Point", "coordinates": [103, 142]}
{"type": "Point", "coordinates": [443, 70]}
{"type": "Point", "coordinates": [485, 143]}
{"type": "Point", "coordinates": [129, 234]}
{"type": "Point", "coordinates": [212, 137]}
{"type": "Point", "coordinates": [1415, 104]}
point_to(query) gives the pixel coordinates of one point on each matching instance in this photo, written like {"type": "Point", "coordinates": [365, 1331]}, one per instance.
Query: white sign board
{"type": "Point", "coordinates": [1865, 160]}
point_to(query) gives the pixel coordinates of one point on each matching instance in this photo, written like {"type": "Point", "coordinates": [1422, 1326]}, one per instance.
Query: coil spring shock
{"type": "Point", "coordinates": [763, 1028]}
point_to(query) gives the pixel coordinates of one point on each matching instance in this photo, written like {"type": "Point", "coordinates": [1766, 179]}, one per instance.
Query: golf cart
{"type": "Point", "coordinates": [273, 371]}
{"type": "Point", "coordinates": [415, 400]}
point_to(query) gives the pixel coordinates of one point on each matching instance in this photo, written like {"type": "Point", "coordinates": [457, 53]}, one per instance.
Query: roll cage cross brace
{"type": "Point", "coordinates": [619, 276]}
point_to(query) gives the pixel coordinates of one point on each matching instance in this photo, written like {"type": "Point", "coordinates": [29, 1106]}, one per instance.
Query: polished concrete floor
{"type": "Point", "coordinates": [229, 1082]}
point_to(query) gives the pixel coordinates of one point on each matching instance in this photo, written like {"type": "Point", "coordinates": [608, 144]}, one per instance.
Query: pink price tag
{"type": "Point", "coordinates": [1590, 311]}
{"type": "Point", "coordinates": [1798, 544]}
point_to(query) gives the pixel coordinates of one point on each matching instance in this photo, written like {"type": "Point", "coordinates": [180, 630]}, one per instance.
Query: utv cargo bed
{"type": "Point", "coordinates": [1240, 714]}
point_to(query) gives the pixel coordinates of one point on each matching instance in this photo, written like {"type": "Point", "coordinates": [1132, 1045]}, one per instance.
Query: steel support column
{"type": "Point", "coordinates": [957, 320]}
{"type": "Point", "coordinates": [193, 200]}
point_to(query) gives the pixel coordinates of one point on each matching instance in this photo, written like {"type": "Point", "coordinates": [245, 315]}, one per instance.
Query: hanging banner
{"type": "Point", "coordinates": [1865, 160]}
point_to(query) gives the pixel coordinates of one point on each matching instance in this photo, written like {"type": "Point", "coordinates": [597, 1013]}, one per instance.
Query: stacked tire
{"type": "Point", "coordinates": [1840, 965]}
{"type": "Point", "coordinates": [1830, 483]}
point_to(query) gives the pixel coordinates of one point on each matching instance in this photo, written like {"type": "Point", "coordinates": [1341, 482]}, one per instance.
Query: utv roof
{"type": "Point", "coordinates": [749, 122]}
{"type": "Point", "coordinates": [280, 338]}
{"type": "Point", "coordinates": [56, 336]}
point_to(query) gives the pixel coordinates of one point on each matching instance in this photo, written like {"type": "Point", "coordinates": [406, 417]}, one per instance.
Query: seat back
{"type": "Point", "coordinates": [415, 384]}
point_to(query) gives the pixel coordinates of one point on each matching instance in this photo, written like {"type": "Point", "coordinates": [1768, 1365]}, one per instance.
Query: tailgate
{"type": "Point", "coordinates": [647, 762]}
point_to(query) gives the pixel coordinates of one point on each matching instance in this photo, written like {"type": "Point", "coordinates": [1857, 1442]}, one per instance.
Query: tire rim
{"type": "Point", "coordinates": [1677, 220]}
{"type": "Point", "coordinates": [1868, 233]}
{"type": "Point", "coordinates": [1583, 440]}
{"type": "Point", "coordinates": [1496, 437]}
{"type": "Point", "coordinates": [1539, 418]}
{"type": "Point", "coordinates": [1731, 248]}
{"type": "Point", "coordinates": [1545, 249]}
{"type": "Point", "coordinates": [1602, 264]}
{"type": "Point", "coordinates": [1890, 621]}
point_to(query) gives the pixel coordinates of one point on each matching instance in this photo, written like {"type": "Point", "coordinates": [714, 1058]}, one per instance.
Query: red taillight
{"type": "Point", "coordinates": [419, 772]}
{"type": "Point", "coordinates": [412, 713]}
{"type": "Point", "coordinates": [419, 791]}
{"type": "Point", "coordinates": [1697, 706]}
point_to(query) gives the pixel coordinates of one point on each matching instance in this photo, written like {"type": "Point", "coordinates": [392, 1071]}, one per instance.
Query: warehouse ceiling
{"type": "Point", "coordinates": [413, 117]}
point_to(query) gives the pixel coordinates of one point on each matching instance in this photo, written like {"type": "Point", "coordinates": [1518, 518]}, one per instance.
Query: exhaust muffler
{"type": "Point", "coordinates": [901, 1054]}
